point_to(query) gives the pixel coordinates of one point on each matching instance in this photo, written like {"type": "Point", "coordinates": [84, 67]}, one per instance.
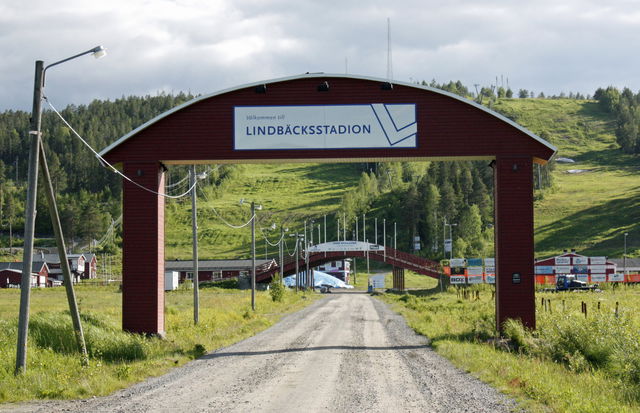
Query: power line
{"type": "Point", "coordinates": [104, 161]}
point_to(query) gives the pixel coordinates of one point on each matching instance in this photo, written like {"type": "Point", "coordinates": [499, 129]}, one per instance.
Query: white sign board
{"type": "Point", "coordinates": [474, 279]}
{"type": "Point", "coordinates": [598, 278]}
{"type": "Point", "coordinates": [600, 269]}
{"type": "Point", "coordinates": [583, 277]}
{"type": "Point", "coordinates": [489, 270]}
{"type": "Point", "coordinates": [375, 125]}
{"type": "Point", "coordinates": [563, 260]}
{"type": "Point", "coordinates": [563, 269]}
{"type": "Point", "coordinates": [490, 279]}
{"type": "Point", "coordinates": [345, 246]}
{"type": "Point", "coordinates": [474, 271]}
{"type": "Point", "coordinates": [447, 245]}
{"type": "Point", "coordinates": [377, 281]}
{"type": "Point", "coordinates": [457, 262]}
{"type": "Point", "coordinates": [581, 260]}
{"type": "Point", "coordinates": [616, 277]}
{"type": "Point", "coordinates": [489, 262]}
{"type": "Point", "coordinates": [598, 260]}
{"type": "Point", "coordinates": [458, 279]}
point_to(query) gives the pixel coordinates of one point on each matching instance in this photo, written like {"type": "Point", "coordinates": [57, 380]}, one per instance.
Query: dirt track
{"type": "Point", "coordinates": [345, 353]}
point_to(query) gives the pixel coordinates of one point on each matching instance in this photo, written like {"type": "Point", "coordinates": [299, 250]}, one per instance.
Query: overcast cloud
{"type": "Point", "coordinates": [204, 46]}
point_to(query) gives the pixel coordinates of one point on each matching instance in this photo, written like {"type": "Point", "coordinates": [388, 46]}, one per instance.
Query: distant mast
{"type": "Point", "coordinates": [389, 59]}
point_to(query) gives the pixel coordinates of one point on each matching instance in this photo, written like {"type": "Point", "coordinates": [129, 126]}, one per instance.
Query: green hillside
{"type": "Point", "coordinates": [288, 193]}
{"type": "Point", "coordinates": [587, 211]}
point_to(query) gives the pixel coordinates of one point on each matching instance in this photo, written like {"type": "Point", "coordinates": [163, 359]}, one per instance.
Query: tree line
{"type": "Point", "coordinates": [625, 107]}
{"type": "Point", "coordinates": [89, 195]}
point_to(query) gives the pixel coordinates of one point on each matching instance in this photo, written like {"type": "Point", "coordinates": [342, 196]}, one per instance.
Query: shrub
{"type": "Point", "coordinates": [226, 284]}
{"type": "Point", "coordinates": [277, 289]}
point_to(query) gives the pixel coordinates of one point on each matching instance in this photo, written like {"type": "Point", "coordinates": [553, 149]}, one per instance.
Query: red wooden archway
{"type": "Point", "coordinates": [373, 121]}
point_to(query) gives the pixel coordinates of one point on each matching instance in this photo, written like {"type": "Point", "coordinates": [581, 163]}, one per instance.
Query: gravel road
{"type": "Point", "coordinates": [345, 353]}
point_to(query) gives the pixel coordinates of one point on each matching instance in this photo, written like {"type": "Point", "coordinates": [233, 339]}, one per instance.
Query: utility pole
{"type": "Point", "coordinates": [364, 227]}
{"type": "Point", "coordinates": [64, 261]}
{"type": "Point", "coordinates": [376, 229]}
{"type": "Point", "coordinates": [384, 237]}
{"type": "Point", "coordinates": [297, 256]}
{"type": "Point", "coordinates": [35, 150]}
{"type": "Point", "coordinates": [253, 255]}
{"type": "Point", "coordinates": [395, 238]}
{"type": "Point", "coordinates": [624, 271]}
{"type": "Point", "coordinates": [325, 228]}
{"type": "Point", "coordinates": [194, 230]}
{"type": "Point", "coordinates": [281, 245]}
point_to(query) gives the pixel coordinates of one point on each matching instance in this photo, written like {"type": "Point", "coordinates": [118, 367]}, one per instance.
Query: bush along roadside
{"type": "Point", "coordinates": [572, 362]}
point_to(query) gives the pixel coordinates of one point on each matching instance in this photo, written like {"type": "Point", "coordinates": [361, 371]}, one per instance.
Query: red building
{"type": "Point", "coordinates": [11, 274]}
{"type": "Point", "coordinates": [213, 270]}
{"type": "Point", "coordinates": [588, 269]}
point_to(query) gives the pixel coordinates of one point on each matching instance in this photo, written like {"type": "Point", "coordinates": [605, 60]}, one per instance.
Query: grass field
{"type": "Point", "coordinates": [288, 193]}
{"type": "Point", "coordinates": [572, 363]}
{"type": "Point", "coordinates": [118, 359]}
{"type": "Point", "coordinates": [588, 211]}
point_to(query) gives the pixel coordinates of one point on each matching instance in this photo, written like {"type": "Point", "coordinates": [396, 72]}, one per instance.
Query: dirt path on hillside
{"type": "Point", "coordinates": [345, 353]}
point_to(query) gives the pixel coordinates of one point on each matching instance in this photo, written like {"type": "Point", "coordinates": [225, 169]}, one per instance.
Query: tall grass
{"type": "Point", "coordinates": [571, 363]}
{"type": "Point", "coordinates": [117, 358]}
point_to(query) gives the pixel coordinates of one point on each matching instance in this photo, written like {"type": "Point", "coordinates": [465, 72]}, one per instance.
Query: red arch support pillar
{"type": "Point", "coordinates": [515, 287]}
{"type": "Point", "coordinates": [143, 249]}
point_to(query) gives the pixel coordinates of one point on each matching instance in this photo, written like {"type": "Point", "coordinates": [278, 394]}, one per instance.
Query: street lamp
{"type": "Point", "coordinates": [36, 155]}
{"type": "Point", "coordinates": [624, 258]}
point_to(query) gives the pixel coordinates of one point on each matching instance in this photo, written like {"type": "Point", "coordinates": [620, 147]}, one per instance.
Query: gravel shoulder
{"type": "Point", "coordinates": [345, 353]}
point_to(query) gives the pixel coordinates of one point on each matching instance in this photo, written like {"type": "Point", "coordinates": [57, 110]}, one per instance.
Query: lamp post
{"type": "Point", "coordinates": [624, 258]}
{"type": "Point", "coordinates": [254, 207]}
{"type": "Point", "coordinates": [36, 156]}
{"type": "Point", "coordinates": [451, 238]}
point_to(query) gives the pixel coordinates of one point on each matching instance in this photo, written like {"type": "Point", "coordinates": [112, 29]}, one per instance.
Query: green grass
{"type": "Point", "coordinates": [289, 194]}
{"type": "Point", "coordinates": [592, 210]}
{"type": "Point", "coordinates": [570, 364]}
{"type": "Point", "coordinates": [118, 359]}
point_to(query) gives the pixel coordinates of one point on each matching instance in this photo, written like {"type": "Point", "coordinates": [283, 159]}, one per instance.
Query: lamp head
{"type": "Point", "coordinates": [99, 52]}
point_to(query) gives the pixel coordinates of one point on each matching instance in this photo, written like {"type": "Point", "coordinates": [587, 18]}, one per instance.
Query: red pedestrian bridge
{"type": "Point", "coordinates": [334, 251]}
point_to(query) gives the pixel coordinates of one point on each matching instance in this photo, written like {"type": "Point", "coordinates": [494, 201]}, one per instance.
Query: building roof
{"type": "Point", "coordinates": [631, 263]}
{"type": "Point", "coordinates": [36, 266]}
{"type": "Point", "coordinates": [11, 270]}
{"type": "Point", "coordinates": [214, 265]}
{"type": "Point", "coordinates": [551, 260]}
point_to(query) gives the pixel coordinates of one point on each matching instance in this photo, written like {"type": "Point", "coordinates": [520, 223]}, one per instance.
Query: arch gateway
{"type": "Point", "coordinates": [325, 118]}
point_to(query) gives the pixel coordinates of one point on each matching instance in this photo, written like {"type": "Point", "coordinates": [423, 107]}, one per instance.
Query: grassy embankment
{"type": "Point", "coordinates": [118, 359]}
{"type": "Point", "coordinates": [570, 364]}
{"type": "Point", "coordinates": [588, 211]}
{"type": "Point", "coordinates": [289, 194]}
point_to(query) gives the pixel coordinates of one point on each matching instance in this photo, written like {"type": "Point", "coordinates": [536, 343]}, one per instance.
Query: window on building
{"type": "Point", "coordinates": [190, 275]}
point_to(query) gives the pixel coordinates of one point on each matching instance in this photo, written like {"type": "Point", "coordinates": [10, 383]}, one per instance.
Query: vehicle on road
{"type": "Point", "coordinates": [569, 282]}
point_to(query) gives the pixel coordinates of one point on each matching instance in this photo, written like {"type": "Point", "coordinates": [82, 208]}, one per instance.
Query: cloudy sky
{"type": "Point", "coordinates": [204, 46]}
